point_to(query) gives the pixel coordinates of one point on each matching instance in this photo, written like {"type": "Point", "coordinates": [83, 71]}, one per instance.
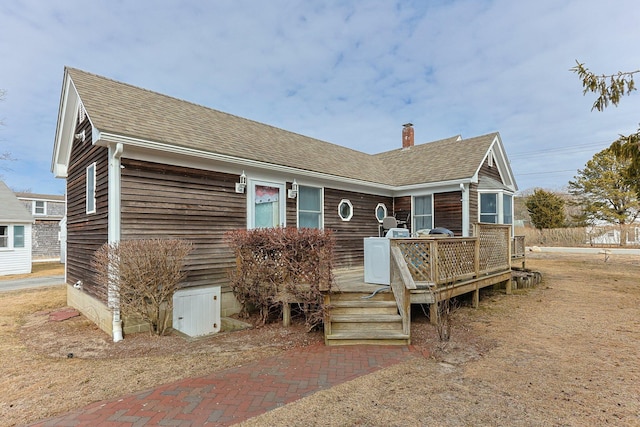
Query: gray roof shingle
{"type": "Point", "coordinates": [12, 210]}
{"type": "Point", "coordinates": [126, 110]}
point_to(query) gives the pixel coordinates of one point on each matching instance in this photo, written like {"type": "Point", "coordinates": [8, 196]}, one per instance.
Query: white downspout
{"type": "Point", "coordinates": [115, 153]}
{"type": "Point", "coordinates": [465, 209]}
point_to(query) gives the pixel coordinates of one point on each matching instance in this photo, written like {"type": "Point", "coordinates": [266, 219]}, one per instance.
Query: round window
{"type": "Point", "coordinates": [381, 212]}
{"type": "Point", "coordinates": [345, 210]}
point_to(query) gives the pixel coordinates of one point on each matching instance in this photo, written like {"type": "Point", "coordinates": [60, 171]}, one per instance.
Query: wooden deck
{"type": "Point", "coordinates": [425, 271]}
{"type": "Point", "coordinates": [352, 281]}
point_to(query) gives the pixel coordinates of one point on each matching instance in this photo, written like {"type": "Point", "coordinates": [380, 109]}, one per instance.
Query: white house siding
{"type": "Point", "coordinates": [17, 260]}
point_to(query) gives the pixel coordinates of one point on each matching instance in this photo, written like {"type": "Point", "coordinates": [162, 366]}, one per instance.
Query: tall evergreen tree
{"type": "Point", "coordinates": [546, 209]}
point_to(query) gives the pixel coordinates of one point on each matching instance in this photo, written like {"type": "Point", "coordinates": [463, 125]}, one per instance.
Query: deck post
{"type": "Point", "coordinates": [476, 297]}
{"type": "Point", "coordinates": [508, 287]}
{"type": "Point", "coordinates": [286, 314]}
{"type": "Point", "coordinates": [433, 313]}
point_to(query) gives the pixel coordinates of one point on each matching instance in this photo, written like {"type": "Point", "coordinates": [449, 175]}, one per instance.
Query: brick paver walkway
{"type": "Point", "coordinates": [236, 394]}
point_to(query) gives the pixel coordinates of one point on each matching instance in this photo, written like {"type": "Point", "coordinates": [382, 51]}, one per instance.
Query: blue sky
{"type": "Point", "coordinates": [347, 72]}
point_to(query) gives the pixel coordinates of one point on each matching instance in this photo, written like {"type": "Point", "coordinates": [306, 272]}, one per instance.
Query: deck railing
{"type": "Point", "coordinates": [517, 247]}
{"type": "Point", "coordinates": [437, 261]}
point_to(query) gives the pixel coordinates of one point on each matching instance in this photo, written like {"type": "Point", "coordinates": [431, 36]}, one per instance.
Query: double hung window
{"type": "Point", "coordinates": [422, 213]}
{"type": "Point", "coordinates": [309, 207]}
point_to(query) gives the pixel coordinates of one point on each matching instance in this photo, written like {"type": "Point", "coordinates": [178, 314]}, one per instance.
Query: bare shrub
{"type": "Point", "coordinates": [141, 276]}
{"type": "Point", "coordinates": [446, 309]}
{"type": "Point", "coordinates": [276, 265]}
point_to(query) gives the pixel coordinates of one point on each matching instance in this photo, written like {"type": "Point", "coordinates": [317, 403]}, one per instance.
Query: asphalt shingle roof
{"type": "Point", "coordinates": [12, 210]}
{"type": "Point", "coordinates": [126, 110]}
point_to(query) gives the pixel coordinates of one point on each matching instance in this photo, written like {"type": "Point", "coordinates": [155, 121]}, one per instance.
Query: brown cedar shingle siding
{"type": "Point", "coordinates": [474, 215]}
{"type": "Point", "coordinates": [401, 209]}
{"type": "Point", "coordinates": [160, 201]}
{"type": "Point", "coordinates": [349, 235]}
{"type": "Point", "coordinates": [448, 211]}
{"type": "Point", "coordinates": [85, 233]}
{"type": "Point", "coordinates": [491, 172]}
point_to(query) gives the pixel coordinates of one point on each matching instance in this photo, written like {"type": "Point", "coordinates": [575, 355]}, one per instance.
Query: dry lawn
{"type": "Point", "coordinates": [563, 354]}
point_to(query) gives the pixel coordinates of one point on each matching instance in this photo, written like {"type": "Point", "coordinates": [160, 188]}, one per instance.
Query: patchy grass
{"type": "Point", "coordinates": [39, 269]}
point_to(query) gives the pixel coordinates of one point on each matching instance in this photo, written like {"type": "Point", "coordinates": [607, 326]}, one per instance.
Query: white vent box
{"type": "Point", "coordinates": [196, 312]}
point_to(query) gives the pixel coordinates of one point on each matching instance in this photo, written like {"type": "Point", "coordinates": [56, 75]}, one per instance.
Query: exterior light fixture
{"type": "Point", "coordinates": [240, 186]}
{"type": "Point", "coordinates": [293, 191]}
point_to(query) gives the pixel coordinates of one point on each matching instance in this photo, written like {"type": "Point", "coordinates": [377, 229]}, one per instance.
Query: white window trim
{"type": "Point", "coordinates": [386, 212]}
{"type": "Point", "coordinates": [35, 202]}
{"type": "Point", "coordinates": [321, 205]}
{"type": "Point", "coordinates": [9, 238]}
{"type": "Point", "coordinates": [13, 237]}
{"type": "Point", "coordinates": [499, 205]}
{"type": "Point", "coordinates": [348, 202]}
{"type": "Point", "coordinates": [413, 212]}
{"type": "Point", "coordinates": [90, 211]}
{"type": "Point", "coordinates": [251, 191]}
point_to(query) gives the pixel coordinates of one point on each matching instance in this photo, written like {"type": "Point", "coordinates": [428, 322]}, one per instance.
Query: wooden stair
{"type": "Point", "coordinates": [352, 319]}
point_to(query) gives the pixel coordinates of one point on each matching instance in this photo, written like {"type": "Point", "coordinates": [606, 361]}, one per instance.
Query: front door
{"type": "Point", "coordinates": [267, 205]}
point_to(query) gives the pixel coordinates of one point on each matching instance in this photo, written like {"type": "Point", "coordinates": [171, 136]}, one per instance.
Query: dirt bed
{"type": "Point", "coordinates": [564, 353]}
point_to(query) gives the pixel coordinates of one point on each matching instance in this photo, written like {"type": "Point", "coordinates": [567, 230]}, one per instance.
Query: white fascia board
{"type": "Point", "coordinates": [214, 160]}
{"type": "Point", "coordinates": [432, 187]}
{"type": "Point", "coordinates": [67, 113]}
{"type": "Point", "coordinates": [501, 163]}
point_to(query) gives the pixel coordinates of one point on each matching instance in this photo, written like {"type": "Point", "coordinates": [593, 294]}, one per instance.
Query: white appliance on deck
{"type": "Point", "coordinates": [377, 256]}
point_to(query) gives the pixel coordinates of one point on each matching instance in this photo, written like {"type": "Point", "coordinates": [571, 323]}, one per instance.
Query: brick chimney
{"type": "Point", "coordinates": [407, 135]}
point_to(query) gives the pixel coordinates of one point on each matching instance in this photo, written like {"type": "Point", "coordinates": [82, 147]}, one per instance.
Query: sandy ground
{"type": "Point", "coordinates": [562, 354]}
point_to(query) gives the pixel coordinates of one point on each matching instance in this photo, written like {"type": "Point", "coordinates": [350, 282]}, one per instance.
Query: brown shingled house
{"type": "Point", "coordinates": [142, 164]}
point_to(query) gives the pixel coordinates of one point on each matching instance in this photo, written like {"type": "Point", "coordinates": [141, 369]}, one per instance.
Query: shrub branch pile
{"type": "Point", "coordinates": [278, 265]}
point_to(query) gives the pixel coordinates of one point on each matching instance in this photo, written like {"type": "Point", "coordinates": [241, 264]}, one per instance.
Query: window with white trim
{"type": "Point", "coordinates": [496, 208]}
{"type": "Point", "coordinates": [507, 209]}
{"type": "Point", "coordinates": [91, 189]}
{"type": "Point", "coordinates": [345, 210]}
{"type": "Point", "coordinates": [39, 207]}
{"type": "Point", "coordinates": [381, 212]}
{"type": "Point", "coordinates": [422, 213]}
{"type": "Point", "coordinates": [266, 204]}
{"type": "Point", "coordinates": [4, 236]}
{"type": "Point", "coordinates": [309, 207]}
{"type": "Point", "coordinates": [18, 236]}
{"type": "Point", "coordinates": [489, 208]}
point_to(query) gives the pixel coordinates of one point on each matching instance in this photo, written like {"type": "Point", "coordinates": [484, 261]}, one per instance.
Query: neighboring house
{"type": "Point", "coordinates": [610, 235]}
{"type": "Point", "coordinates": [48, 211]}
{"type": "Point", "coordinates": [139, 164]}
{"type": "Point", "coordinates": [15, 234]}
